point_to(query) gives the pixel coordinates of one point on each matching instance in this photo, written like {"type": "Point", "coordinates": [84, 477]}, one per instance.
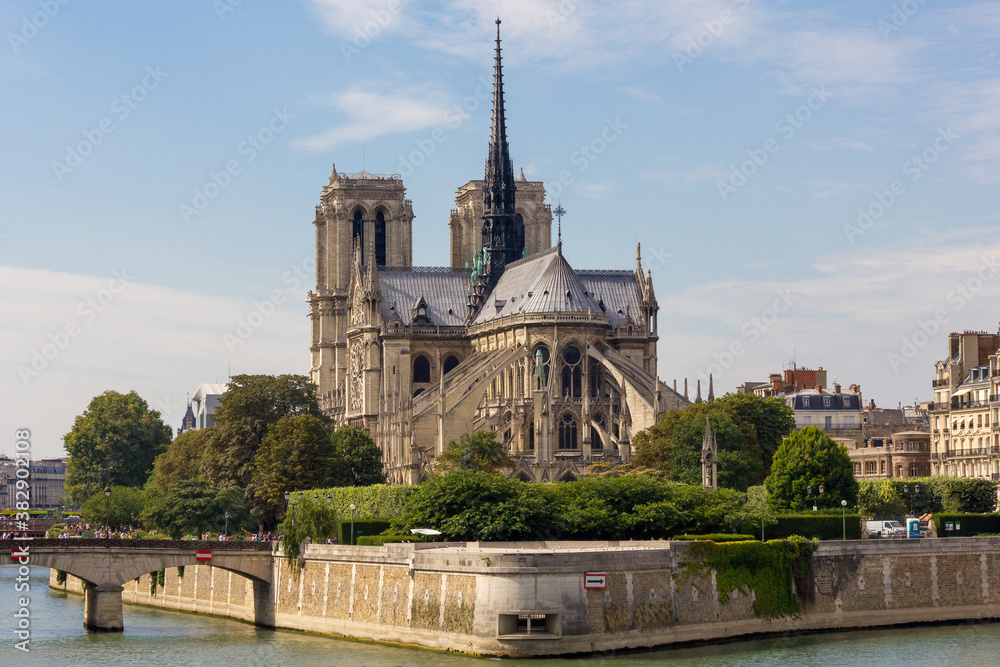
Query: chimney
{"type": "Point", "coordinates": [819, 389]}
{"type": "Point", "coordinates": [855, 388]}
{"type": "Point", "coordinates": [836, 388]}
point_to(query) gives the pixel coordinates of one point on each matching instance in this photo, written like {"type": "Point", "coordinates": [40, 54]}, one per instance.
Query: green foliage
{"type": "Point", "coordinates": [161, 577]}
{"type": "Point", "coordinates": [306, 518]}
{"type": "Point", "coordinates": [379, 540]}
{"type": "Point", "coordinates": [181, 461]}
{"type": "Point", "coordinates": [825, 526]}
{"type": "Point", "coordinates": [479, 451]}
{"type": "Point", "coordinates": [124, 503]}
{"type": "Point", "coordinates": [251, 405]}
{"type": "Point", "coordinates": [880, 497]}
{"type": "Point", "coordinates": [470, 505]}
{"type": "Point", "coordinates": [193, 506]}
{"type": "Point", "coordinates": [810, 458]}
{"type": "Point", "coordinates": [55, 530]}
{"type": "Point", "coordinates": [297, 454]}
{"type": "Point", "coordinates": [378, 502]}
{"type": "Point", "coordinates": [361, 529]}
{"type": "Point", "coordinates": [114, 441]}
{"type": "Point", "coordinates": [714, 537]}
{"type": "Point", "coordinates": [360, 459]}
{"type": "Point", "coordinates": [766, 568]}
{"type": "Point", "coordinates": [60, 577]}
{"type": "Point", "coordinates": [969, 524]}
{"type": "Point", "coordinates": [748, 430]}
{"type": "Point", "coordinates": [886, 497]}
{"type": "Point", "coordinates": [180, 571]}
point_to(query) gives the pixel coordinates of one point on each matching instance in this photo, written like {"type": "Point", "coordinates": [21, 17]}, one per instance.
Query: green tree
{"type": "Point", "coordinates": [124, 507]}
{"type": "Point", "coordinates": [360, 459]}
{"type": "Point", "coordinates": [114, 441]}
{"type": "Point", "coordinates": [193, 506]}
{"type": "Point", "coordinates": [880, 497]}
{"type": "Point", "coordinates": [473, 505]}
{"type": "Point", "coordinates": [479, 451]}
{"type": "Point", "coordinates": [307, 517]}
{"type": "Point", "coordinates": [251, 405]}
{"type": "Point", "coordinates": [297, 454]}
{"type": "Point", "coordinates": [810, 458]}
{"type": "Point", "coordinates": [181, 461]}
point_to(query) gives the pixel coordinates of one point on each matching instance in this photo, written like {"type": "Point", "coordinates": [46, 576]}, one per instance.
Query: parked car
{"type": "Point", "coordinates": [885, 528]}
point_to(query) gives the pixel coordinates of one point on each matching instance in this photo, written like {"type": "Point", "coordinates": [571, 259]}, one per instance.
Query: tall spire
{"type": "Point", "coordinates": [500, 233]}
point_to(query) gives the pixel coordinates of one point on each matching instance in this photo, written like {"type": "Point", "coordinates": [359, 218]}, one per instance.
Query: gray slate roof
{"type": "Point", "coordinates": [543, 283]}
{"type": "Point", "coordinates": [616, 290]}
{"type": "Point", "coordinates": [441, 288]}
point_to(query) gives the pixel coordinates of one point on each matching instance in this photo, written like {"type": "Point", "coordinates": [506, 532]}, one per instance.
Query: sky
{"type": "Point", "coordinates": [810, 181]}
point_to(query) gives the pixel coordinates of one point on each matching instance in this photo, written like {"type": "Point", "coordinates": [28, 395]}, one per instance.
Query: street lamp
{"type": "Point", "coordinates": [352, 508]}
{"type": "Point", "coordinates": [227, 523]}
{"type": "Point", "coordinates": [107, 512]}
{"type": "Point", "coordinates": [843, 515]}
{"type": "Point", "coordinates": [809, 494]}
{"type": "Point", "coordinates": [906, 492]}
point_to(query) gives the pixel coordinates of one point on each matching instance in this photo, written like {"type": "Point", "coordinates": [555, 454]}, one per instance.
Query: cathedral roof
{"type": "Point", "coordinates": [615, 290]}
{"type": "Point", "coordinates": [544, 283]}
{"type": "Point", "coordinates": [444, 290]}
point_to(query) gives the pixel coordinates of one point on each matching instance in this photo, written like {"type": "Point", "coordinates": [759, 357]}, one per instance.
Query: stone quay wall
{"type": "Point", "coordinates": [478, 598]}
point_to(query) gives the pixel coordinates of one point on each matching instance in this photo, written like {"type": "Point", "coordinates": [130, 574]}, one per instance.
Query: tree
{"type": "Point", "coordinates": [124, 507]}
{"type": "Point", "coordinates": [192, 506]}
{"type": "Point", "coordinates": [251, 405]}
{"type": "Point", "coordinates": [181, 461]}
{"type": "Point", "coordinates": [479, 451]}
{"type": "Point", "coordinates": [810, 458]}
{"type": "Point", "coordinates": [114, 441]}
{"type": "Point", "coordinates": [473, 505]}
{"type": "Point", "coordinates": [298, 454]}
{"type": "Point", "coordinates": [880, 497]}
{"type": "Point", "coordinates": [360, 459]}
{"type": "Point", "coordinates": [306, 518]}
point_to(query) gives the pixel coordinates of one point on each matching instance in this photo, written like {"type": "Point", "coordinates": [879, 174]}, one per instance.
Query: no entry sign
{"type": "Point", "coordinates": [595, 580]}
{"type": "Point", "coordinates": [203, 556]}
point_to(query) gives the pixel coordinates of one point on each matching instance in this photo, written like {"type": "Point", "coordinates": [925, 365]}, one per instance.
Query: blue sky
{"type": "Point", "coordinates": [739, 140]}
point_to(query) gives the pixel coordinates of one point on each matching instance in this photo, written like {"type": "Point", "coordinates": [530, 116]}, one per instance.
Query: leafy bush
{"type": "Point", "coordinates": [377, 502]}
{"type": "Point", "coordinates": [306, 518]}
{"type": "Point", "coordinates": [971, 524]}
{"type": "Point", "coordinates": [60, 577]}
{"type": "Point", "coordinates": [361, 529]}
{"type": "Point", "coordinates": [715, 537]}
{"type": "Point", "coordinates": [886, 497]}
{"type": "Point", "coordinates": [810, 458]}
{"type": "Point", "coordinates": [379, 540]}
{"type": "Point", "coordinates": [56, 530]}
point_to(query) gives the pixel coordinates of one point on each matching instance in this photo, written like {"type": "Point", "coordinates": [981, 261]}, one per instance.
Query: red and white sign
{"type": "Point", "coordinates": [595, 580]}
{"type": "Point", "coordinates": [203, 556]}
{"type": "Point", "coordinates": [17, 554]}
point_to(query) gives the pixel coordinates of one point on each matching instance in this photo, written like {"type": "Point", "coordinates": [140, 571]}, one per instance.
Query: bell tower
{"type": "Point", "coordinates": [364, 213]}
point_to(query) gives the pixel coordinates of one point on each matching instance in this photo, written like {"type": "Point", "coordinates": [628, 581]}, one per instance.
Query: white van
{"type": "Point", "coordinates": [885, 528]}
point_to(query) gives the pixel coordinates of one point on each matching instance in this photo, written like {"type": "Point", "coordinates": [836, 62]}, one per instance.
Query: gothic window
{"type": "Point", "coordinates": [359, 231]}
{"type": "Point", "coordinates": [421, 369]}
{"type": "Point", "coordinates": [571, 372]}
{"type": "Point", "coordinates": [595, 378]}
{"type": "Point", "coordinates": [531, 436]}
{"type": "Point", "coordinates": [449, 363]}
{"type": "Point", "coordinates": [595, 436]}
{"type": "Point", "coordinates": [380, 238]}
{"type": "Point", "coordinates": [567, 432]}
{"type": "Point", "coordinates": [540, 364]}
{"type": "Point", "coordinates": [519, 232]}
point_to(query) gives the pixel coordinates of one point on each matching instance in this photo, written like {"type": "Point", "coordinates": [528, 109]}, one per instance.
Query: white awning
{"type": "Point", "coordinates": [962, 392]}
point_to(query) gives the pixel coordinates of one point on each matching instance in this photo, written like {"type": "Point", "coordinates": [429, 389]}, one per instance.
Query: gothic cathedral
{"type": "Point", "coordinates": [560, 363]}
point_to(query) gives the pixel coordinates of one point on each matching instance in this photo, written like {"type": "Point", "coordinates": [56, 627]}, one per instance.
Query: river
{"type": "Point", "coordinates": [155, 637]}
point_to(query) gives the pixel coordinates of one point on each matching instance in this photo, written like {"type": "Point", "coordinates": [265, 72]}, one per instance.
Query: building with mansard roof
{"type": "Point", "coordinates": [561, 363]}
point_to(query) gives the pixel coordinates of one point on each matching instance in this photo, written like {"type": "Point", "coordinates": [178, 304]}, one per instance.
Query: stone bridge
{"type": "Point", "coordinates": [104, 565]}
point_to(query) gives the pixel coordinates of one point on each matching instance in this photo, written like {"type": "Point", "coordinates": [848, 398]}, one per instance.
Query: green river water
{"type": "Point", "coordinates": [154, 637]}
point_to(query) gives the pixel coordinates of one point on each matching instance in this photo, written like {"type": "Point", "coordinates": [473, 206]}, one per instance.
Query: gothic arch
{"type": "Point", "coordinates": [450, 362]}
{"type": "Point", "coordinates": [358, 228]}
{"type": "Point", "coordinates": [568, 431]}
{"type": "Point", "coordinates": [381, 234]}
{"type": "Point", "coordinates": [421, 369]}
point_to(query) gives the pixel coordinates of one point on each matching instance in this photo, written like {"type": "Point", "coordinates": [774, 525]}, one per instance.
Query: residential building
{"type": "Point", "coordinates": [47, 481]}
{"type": "Point", "coordinates": [965, 425]}
{"type": "Point", "coordinates": [901, 455]}
{"type": "Point", "coordinates": [204, 402]}
{"type": "Point", "coordinates": [837, 410]}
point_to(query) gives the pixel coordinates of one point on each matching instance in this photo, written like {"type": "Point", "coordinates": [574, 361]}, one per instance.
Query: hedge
{"type": "Point", "coordinates": [937, 494]}
{"type": "Point", "coordinates": [379, 540]}
{"type": "Point", "coordinates": [715, 537]}
{"type": "Point", "coordinates": [361, 529]}
{"type": "Point", "coordinates": [378, 502]}
{"type": "Point", "coordinates": [823, 526]}
{"type": "Point", "coordinates": [971, 524]}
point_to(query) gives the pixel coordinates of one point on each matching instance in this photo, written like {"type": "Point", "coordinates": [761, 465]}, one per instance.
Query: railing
{"type": "Point", "coordinates": [940, 406]}
{"type": "Point", "coordinates": [956, 405]}
{"type": "Point", "coordinates": [958, 453]}
{"type": "Point", "coordinates": [939, 383]}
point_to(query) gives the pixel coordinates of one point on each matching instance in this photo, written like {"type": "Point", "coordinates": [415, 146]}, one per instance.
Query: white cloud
{"type": "Point", "coordinates": [68, 338]}
{"type": "Point", "coordinates": [369, 114]}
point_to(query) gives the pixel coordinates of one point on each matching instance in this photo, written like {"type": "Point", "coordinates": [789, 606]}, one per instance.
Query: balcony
{"type": "Point", "coordinates": [939, 383]}
{"type": "Point", "coordinates": [963, 453]}
{"type": "Point", "coordinates": [956, 405]}
{"type": "Point", "coordinates": [940, 406]}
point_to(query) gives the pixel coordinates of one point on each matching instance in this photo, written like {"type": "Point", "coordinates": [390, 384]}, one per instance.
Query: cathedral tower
{"type": "Point", "coordinates": [363, 213]}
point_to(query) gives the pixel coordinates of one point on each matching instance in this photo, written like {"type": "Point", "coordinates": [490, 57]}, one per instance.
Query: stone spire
{"type": "Point", "coordinates": [697, 395]}
{"type": "Point", "coordinates": [711, 389]}
{"type": "Point", "coordinates": [709, 458]}
{"type": "Point", "coordinates": [500, 235]}
{"type": "Point", "coordinates": [685, 389]}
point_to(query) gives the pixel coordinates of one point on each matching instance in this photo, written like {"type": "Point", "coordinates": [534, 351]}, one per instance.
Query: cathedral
{"type": "Point", "coordinates": [560, 363]}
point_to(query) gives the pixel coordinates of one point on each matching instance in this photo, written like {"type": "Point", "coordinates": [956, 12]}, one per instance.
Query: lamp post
{"type": "Point", "coordinates": [906, 492]}
{"type": "Point", "coordinates": [352, 508]}
{"type": "Point", "coordinates": [107, 512]}
{"type": "Point", "coordinates": [226, 531]}
{"type": "Point", "coordinates": [843, 515]}
{"type": "Point", "coordinates": [809, 494]}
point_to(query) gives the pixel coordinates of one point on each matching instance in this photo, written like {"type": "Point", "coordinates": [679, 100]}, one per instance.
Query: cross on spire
{"type": "Point", "coordinates": [559, 212]}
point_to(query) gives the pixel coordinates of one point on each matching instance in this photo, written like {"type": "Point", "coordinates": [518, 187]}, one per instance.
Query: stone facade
{"type": "Point", "coordinates": [905, 454]}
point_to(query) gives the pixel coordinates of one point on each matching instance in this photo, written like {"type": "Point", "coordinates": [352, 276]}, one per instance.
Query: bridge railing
{"type": "Point", "coordinates": [99, 543]}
